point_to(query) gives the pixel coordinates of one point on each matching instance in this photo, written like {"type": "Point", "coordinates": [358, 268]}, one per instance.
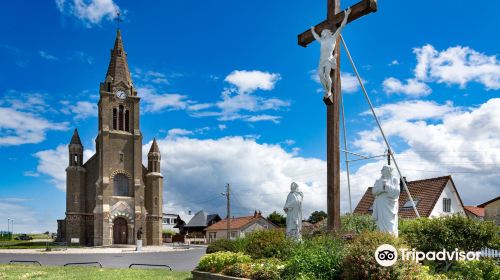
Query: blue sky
{"type": "Point", "coordinates": [232, 97]}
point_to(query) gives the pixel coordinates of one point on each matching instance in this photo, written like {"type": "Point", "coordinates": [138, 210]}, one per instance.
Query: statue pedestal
{"type": "Point", "coordinates": [138, 245]}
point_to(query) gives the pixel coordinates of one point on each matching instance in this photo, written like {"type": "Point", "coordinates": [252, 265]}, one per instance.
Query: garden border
{"type": "Point", "coordinates": [201, 275]}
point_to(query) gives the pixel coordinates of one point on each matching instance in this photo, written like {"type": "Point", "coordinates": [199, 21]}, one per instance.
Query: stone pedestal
{"type": "Point", "coordinates": [138, 245]}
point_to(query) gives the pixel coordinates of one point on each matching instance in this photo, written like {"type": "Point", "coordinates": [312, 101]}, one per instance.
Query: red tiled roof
{"type": "Point", "coordinates": [236, 223]}
{"type": "Point", "coordinates": [427, 191]}
{"type": "Point", "coordinates": [478, 211]}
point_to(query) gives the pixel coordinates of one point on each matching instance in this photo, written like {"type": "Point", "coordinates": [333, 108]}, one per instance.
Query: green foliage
{"type": "Point", "coordinates": [317, 258]}
{"type": "Point", "coordinates": [263, 269]}
{"type": "Point", "coordinates": [268, 244]}
{"type": "Point", "coordinates": [360, 263]}
{"type": "Point", "coordinates": [317, 216]}
{"type": "Point", "coordinates": [449, 233]}
{"type": "Point", "coordinates": [168, 232]}
{"type": "Point", "coordinates": [221, 245]}
{"type": "Point", "coordinates": [484, 269]}
{"type": "Point", "coordinates": [357, 223]}
{"type": "Point", "coordinates": [216, 262]}
{"type": "Point", "coordinates": [277, 218]}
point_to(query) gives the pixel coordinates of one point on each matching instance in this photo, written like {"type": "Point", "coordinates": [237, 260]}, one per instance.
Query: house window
{"type": "Point", "coordinates": [165, 221]}
{"type": "Point", "coordinates": [447, 205]}
{"type": "Point", "coordinates": [234, 234]}
{"type": "Point", "coordinates": [408, 204]}
{"type": "Point", "coordinates": [120, 185]}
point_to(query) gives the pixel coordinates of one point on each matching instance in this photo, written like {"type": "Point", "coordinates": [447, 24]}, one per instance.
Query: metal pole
{"type": "Point", "coordinates": [228, 211]}
{"type": "Point", "coordinates": [345, 152]}
{"type": "Point", "coordinates": [12, 227]}
{"type": "Point", "coordinates": [379, 125]}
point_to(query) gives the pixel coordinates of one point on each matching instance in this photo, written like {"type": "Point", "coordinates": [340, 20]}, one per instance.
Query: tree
{"type": "Point", "coordinates": [317, 216]}
{"type": "Point", "coordinates": [277, 218]}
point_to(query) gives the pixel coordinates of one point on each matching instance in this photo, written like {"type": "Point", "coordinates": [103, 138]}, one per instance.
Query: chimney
{"type": "Point", "coordinates": [189, 212]}
{"type": "Point", "coordinates": [255, 213]}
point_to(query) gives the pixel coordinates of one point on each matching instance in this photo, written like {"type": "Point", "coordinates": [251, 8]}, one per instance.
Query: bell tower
{"type": "Point", "coordinates": [120, 184]}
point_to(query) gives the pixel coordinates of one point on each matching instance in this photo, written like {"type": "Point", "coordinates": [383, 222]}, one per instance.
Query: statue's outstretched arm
{"type": "Point", "coordinates": [315, 35]}
{"type": "Point", "coordinates": [344, 22]}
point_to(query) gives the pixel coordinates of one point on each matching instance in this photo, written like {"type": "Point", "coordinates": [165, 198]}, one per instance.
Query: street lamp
{"type": "Point", "coordinates": [12, 227]}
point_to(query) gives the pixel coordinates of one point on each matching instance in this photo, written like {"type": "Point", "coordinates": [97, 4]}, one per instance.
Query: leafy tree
{"type": "Point", "coordinates": [277, 218]}
{"type": "Point", "coordinates": [317, 216]}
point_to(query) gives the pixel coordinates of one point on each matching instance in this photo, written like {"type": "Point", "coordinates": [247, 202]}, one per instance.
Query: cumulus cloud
{"type": "Point", "coordinates": [349, 81]}
{"type": "Point", "coordinates": [156, 102]}
{"type": "Point", "coordinates": [81, 110]}
{"type": "Point", "coordinates": [412, 87]}
{"type": "Point", "coordinates": [250, 81]}
{"type": "Point", "coordinates": [457, 65]}
{"type": "Point", "coordinates": [91, 12]}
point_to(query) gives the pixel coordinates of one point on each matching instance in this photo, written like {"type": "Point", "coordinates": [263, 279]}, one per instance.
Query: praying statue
{"type": "Point", "coordinates": [328, 57]}
{"type": "Point", "coordinates": [385, 205]}
{"type": "Point", "coordinates": [293, 210]}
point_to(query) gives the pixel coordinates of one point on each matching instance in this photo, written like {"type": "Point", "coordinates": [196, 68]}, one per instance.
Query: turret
{"type": "Point", "coordinates": [154, 196]}
{"type": "Point", "coordinates": [75, 148]}
{"type": "Point", "coordinates": [154, 158]}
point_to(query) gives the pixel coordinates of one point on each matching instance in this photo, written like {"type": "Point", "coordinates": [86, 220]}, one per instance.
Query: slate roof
{"type": "Point", "coordinates": [200, 219]}
{"type": "Point", "coordinates": [427, 191]}
{"type": "Point", "coordinates": [489, 201]}
{"type": "Point", "coordinates": [478, 211]}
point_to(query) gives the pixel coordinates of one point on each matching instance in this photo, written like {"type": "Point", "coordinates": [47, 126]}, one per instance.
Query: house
{"type": "Point", "coordinates": [474, 212]}
{"type": "Point", "coordinates": [433, 197]}
{"type": "Point", "coordinates": [492, 210]}
{"type": "Point", "coordinates": [239, 226]}
{"type": "Point", "coordinates": [200, 221]}
{"type": "Point", "coordinates": [169, 222]}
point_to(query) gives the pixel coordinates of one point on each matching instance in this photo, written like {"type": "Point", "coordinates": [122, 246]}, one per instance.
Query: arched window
{"type": "Point", "coordinates": [120, 185]}
{"type": "Point", "coordinates": [126, 121]}
{"type": "Point", "coordinates": [120, 118]}
{"type": "Point", "coordinates": [114, 117]}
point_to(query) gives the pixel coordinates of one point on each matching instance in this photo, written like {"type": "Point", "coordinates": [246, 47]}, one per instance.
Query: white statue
{"type": "Point", "coordinates": [293, 210]}
{"type": "Point", "coordinates": [328, 59]}
{"type": "Point", "coordinates": [385, 206]}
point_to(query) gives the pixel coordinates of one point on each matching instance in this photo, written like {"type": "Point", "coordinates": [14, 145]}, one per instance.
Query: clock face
{"type": "Point", "coordinates": [121, 95]}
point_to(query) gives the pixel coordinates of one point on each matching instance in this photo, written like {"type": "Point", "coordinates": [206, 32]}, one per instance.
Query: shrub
{"type": "Point", "coordinates": [360, 263]}
{"type": "Point", "coordinates": [263, 269]}
{"type": "Point", "coordinates": [485, 269]}
{"type": "Point", "coordinates": [316, 258]}
{"type": "Point", "coordinates": [221, 245]}
{"type": "Point", "coordinates": [216, 262]}
{"type": "Point", "coordinates": [357, 223]}
{"type": "Point", "coordinates": [268, 244]}
{"type": "Point", "coordinates": [449, 233]}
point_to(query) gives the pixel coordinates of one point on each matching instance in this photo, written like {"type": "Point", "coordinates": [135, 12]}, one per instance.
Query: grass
{"type": "Point", "coordinates": [31, 245]}
{"type": "Point", "coordinates": [8, 272]}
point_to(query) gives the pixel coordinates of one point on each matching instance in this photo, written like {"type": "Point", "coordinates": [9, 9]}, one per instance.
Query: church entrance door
{"type": "Point", "coordinates": [120, 232]}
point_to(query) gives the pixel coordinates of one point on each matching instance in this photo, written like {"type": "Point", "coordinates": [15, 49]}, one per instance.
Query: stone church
{"type": "Point", "coordinates": [113, 195]}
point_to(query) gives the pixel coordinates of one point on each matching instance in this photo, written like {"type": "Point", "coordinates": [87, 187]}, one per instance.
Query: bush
{"type": "Point", "coordinates": [263, 269]}
{"type": "Point", "coordinates": [221, 245]}
{"type": "Point", "coordinates": [357, 223]}
{"type": "Point", "coordinates": [216, 262]}
{"type": "Point", "coordinates": [450, 232]}
{"type": "Point", "coordinates": [316, 258]}
{"type": "Point", "coordinates": [360, 263]}
{"type": "Point", "coordinates": [268, 244]}
{"type": "Point", "coordinates": [485, 269]}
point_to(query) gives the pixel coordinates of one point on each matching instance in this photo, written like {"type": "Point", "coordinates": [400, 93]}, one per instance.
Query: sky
{"type": "Point", "coordinates": [231, 98]}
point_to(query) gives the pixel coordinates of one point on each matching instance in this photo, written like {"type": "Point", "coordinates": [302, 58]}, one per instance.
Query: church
{"type": "Point", "coordinates": [111, 196]}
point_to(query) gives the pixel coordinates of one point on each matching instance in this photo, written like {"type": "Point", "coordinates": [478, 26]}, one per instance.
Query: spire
{"type": "Point", "coordinates": [154, 147]}
{"type": "Point", "coordinates": [118, 67]}
{"type": "Point", "coordinates": [75, 139]}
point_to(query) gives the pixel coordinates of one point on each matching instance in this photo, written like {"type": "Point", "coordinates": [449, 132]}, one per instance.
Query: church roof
{"type": "Point", "coordinates": [75, 139]}
{"type": "Point", "coordinates": [118, 67]}
{"type": "Point", "coordinates": [427, 191]}
{"type": "Point", "coordinates": [154, 147]}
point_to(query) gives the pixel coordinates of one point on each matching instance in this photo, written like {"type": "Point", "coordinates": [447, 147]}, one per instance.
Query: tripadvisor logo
{"type": "Point", "coordinates": [387, 255]}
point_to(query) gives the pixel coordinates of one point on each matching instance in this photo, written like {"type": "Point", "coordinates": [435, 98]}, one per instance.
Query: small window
{"type": "Point", "coordinates": [75, 159]}
{"type": "Point", "coordinates": [75, 198]}
{"type": "Point", "coordinates": [447, 205]}
{"type": "Point", "coordinates": [121, 157]}
{"type": "Point", "coordinates": [408, 204]}
{"type": "Point", "coordinates": [156, 202]}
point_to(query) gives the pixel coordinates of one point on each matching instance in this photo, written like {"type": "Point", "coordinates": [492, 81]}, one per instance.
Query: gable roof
{"type": "Point", "coordinates": [201, 219]}
{"type": "Point", "coordinates": [477, 211]}
{"type": "Point", "coordinates": [237, 223]}
{"type": "Point", "coordinates": [427, 191]}
{"type": "Point", "coordinates": [489, 201]}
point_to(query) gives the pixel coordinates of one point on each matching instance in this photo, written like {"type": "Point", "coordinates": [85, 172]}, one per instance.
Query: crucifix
{"type": "Point", "coordinates": [335, 20]}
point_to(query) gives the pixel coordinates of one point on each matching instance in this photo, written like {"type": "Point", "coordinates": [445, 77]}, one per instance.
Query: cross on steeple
{"type": "Point", "coordinates": [118, 19]}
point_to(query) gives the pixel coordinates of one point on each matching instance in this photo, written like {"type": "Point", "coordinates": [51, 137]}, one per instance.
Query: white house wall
{"type": "Point", "coordinates": [456, 206]}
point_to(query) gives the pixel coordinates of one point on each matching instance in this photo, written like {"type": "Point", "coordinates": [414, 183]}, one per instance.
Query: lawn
{"type": "Point", "coordinates": [76, 273]}
{"type": "Point", "coordinates": [16, 244]}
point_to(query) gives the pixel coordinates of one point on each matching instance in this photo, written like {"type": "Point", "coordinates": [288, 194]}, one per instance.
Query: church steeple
{"type": "Point", "coordinates": [118, 67]}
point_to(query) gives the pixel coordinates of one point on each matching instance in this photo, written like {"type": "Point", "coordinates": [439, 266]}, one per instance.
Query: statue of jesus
{"type": "Point", "coordinates": [385, 206]}
{"type": "Point", "coordinates": [293, 210]}
{"type": "Point", "coordinates": [328, 59]}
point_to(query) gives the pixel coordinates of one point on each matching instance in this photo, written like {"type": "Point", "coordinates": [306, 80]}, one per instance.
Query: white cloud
{"type": "Point", "coordinates": [81, 110]}
{"type": "Point", "coordinates": [89, 11]}
{"type": "Point", "coordinates": [414, 110]}
{"type": "Point", "coordinates": [457, 65]}
{"type": "Point", "coordinates": [412, 87]}
{"type": "Point", "coordinates": [46, 55]}
{"type": "Point", "coordinates": [393, 63]}
{"type": "Point", "coordinates": [18, 127]}
{"type": "Point", "coordinates": [250, 81]}
{"type": "Point", "coordinates": [260, 118]}
{"type": "Point", "coordinates": [222, 127]}
{"type": "Point", "coordinates": [149, 76]}
{"type": "Point", "coordinates": [178, 132]}
{"type": "Point", "coordinates": [156, 102]}
{"type": "Point", "coordinates": [349, 82]}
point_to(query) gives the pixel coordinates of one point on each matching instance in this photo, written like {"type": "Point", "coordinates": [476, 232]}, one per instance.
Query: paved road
{"type": "Point", "coordinates": [179, 261]}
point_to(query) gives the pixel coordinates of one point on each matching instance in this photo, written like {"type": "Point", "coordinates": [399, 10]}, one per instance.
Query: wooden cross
{"type": "Point", "coordinates": [333, 21]}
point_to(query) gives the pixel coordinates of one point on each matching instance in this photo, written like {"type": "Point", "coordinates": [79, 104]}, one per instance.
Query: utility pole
{"type": "Point", "coordinates": [228, 218]}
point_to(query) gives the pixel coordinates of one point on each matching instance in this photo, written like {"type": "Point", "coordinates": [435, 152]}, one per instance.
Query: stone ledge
{"type": "Point", "coordinates": [201, 275]}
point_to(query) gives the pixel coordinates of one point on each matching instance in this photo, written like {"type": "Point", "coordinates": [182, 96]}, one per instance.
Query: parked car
{"type": "Point", "coordinates": [23, 237]}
